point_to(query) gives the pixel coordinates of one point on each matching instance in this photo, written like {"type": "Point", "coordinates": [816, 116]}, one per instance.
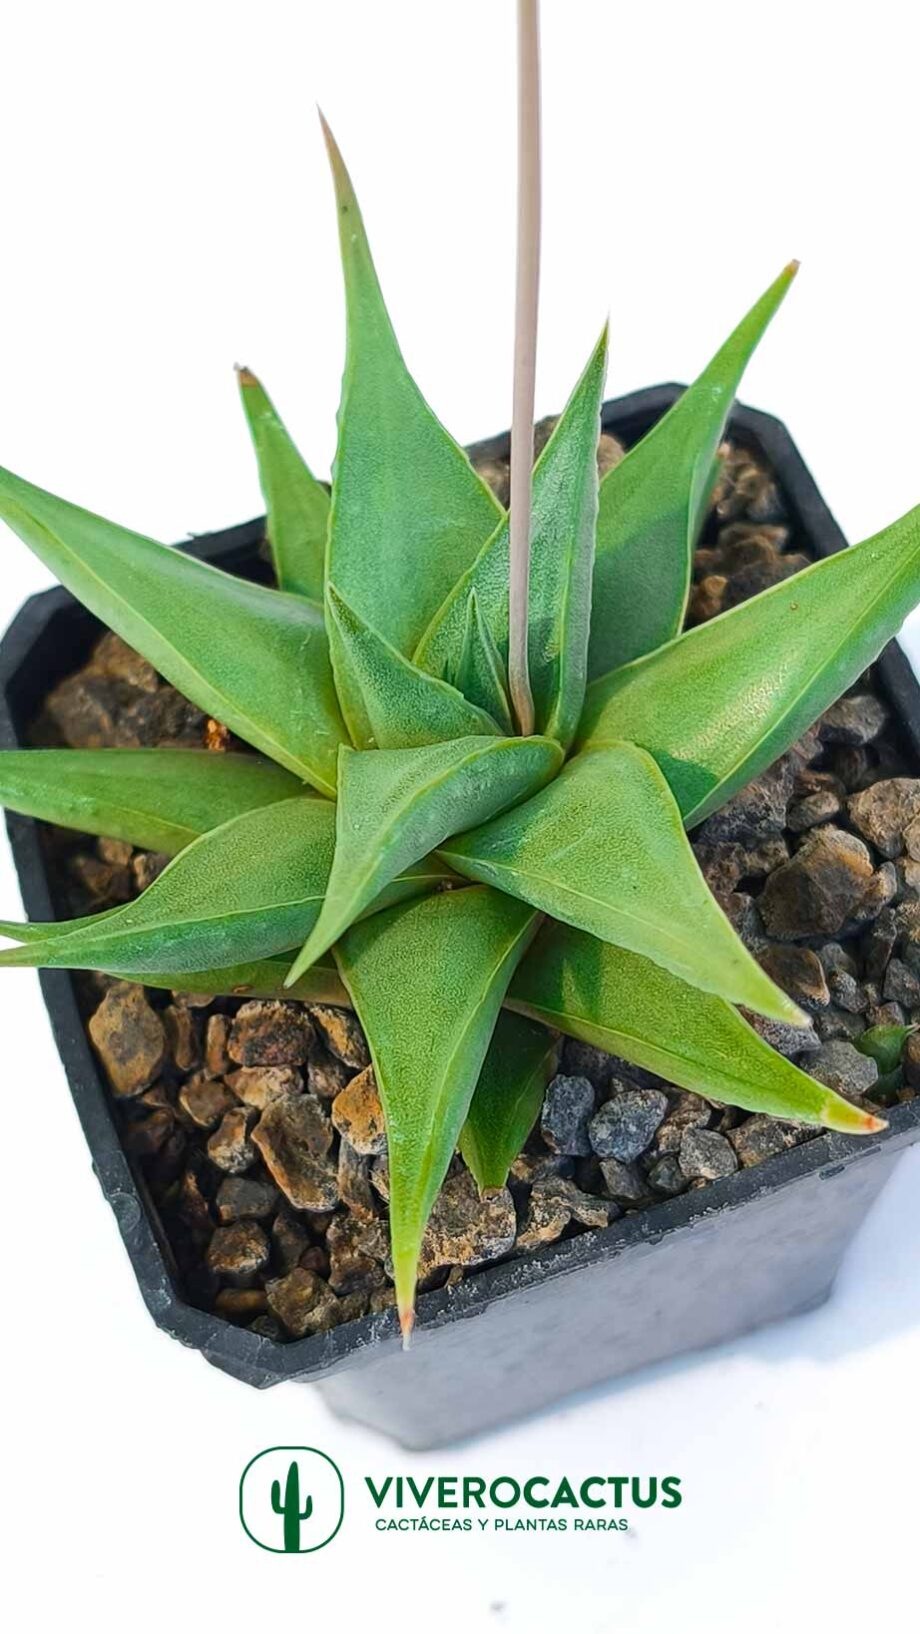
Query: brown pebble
{"type": "Point", "coordinates": [239, 1198]}
{"type": "Point", "coordinates": [181, 1037]}
{"type": "Point", "coordinates": [230, 1147]}
{"type": "Point", "coordinates": [294, 1135]}
{"type": "Point", "coordinates": [191, 1206]}
{"type": "Point", "coordinates": [240, 1304]}
{"type": "Point", "coordinates": [819, 888]}
{"type": "Point", "coordinates": [354, 1182]}
{"type": "Point", "coordinates": [259, 1086]}
{"type": "Point", "coordinates": [358, 1115]}
{"type": "Point", "coordinates": [216, 1059]}
{"type": "Point", "coordinates": [117, 852]}
{"type": "Point", "coordinates": [548, 1214]}
{"type": "Point", "coordinates": [289, 1241]}
{"type": "Point", "coordinates": [303, 1302]}
{"type": "Point", "coordinates": [113, 657]}
{"type": "Point", "coordinates": [129, 1038]}
{"type": "Point", "coordinates": [268, 1033]}
{"type": "Point", "coordinates": [341, 1032]}
{"type": "Point", "coordinates": [205, 1100]}
{"type": "Point", "coordinates": [326, 1075]}
{"type": "Point", "coordinates": [882, 812]}
{"type": "Point", "coordinates": [147, 866]}
{"type": "Point", "coordinates": [466, 1229]}
{"type": "Point", "coordinates": [357, 1250]}
{"type": "Point", "coordinates": [237, 1252]}
{"type": "Point", "coordinates": [799, 972]}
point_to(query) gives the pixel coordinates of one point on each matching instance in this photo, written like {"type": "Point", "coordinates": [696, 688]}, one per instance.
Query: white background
{"type": "Point", "coordinates": [166, 212]}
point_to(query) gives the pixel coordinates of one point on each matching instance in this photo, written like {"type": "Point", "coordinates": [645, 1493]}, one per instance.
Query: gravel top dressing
{"type": "Point", "coordinates": [256, 1125]}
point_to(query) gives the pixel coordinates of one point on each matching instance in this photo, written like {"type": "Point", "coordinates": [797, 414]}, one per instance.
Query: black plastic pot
{"type": "Point", "coordinates": [765, 1243]}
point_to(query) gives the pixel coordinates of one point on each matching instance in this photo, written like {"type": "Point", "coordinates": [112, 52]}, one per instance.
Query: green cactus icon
{"type": "Point", "coordinates": [290, 1509]}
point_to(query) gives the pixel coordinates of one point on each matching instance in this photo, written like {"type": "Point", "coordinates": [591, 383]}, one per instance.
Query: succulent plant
{"type": "Point", "coordinates": [393, 844]}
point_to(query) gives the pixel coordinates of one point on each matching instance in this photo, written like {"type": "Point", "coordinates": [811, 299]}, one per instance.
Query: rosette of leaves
{"type": "Point", "coordinates": [392, 843]}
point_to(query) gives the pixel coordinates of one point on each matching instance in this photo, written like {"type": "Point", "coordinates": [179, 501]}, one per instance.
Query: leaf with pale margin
{"type": "Point", "coordinates": [297, 506]}
{"type": "Point", "coordinates": [386, 701]}
{"type": "Point", "coordinates": [408, 510]}
{"type": "Point", "coordinates": [629, 1006]}
{"type": "Point", "coordinates": [396, 805]}
{"type": "Point", "coordinates": [428, 1034]}
{"type": "Point", "coordinates": [652, 504]}
{"type": "Point", "coordinates": [519, 1064]}
{"type": "Point", "coordinates": [255, 659]}
{"type": "Point", "coordinates": [561, 558]}
{"type": "Point", "coordinates": [480, 674]}
{"type": "Point", "coordinates": [259, 979]}
{"type": "Point", "coordinates": [603, 848]}
{"type": "Point", "coordinates": [158, 799]}
{"type": "Point", "coordinates": [722, 702]}
{"type": "Point", "coordinates": [633, 1008]}
{"type": "Point", "coordinates": [244, 891]}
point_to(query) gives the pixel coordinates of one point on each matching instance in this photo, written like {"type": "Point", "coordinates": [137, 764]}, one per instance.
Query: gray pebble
{"type": "Point", "coordinates": [667, 1175]}
{"type": "Point", "coordinates": [626, 1125]}
{"type": "Point", "coordinates": [842, 1067]}
{"type": "Point", "coordinates": [567, 1107]}
{"type": "Point", "coordinates": [623, 1182]}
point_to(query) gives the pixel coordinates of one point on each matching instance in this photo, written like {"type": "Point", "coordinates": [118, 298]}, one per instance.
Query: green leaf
{"type": "Point", "coordinates": [386, 701]}
{"type": "Point", "coordinates": [633, 1008]}
{"type": "Point", "coordinates": [562, 553]}
{"type": "Point", "coordinates": [160, 799]}
{"type": "Point", "coordinates": [255, 659]}
{"type": "Point", "coordinates": [653, 503]}
{"type": "Point", "coordinates": [396, 805]}
{"type": "Point", "coordinates": [33, 930]}
{"type": "Point", "coordinates": [885, 1045]}
{"type": "Point", "coordinates": [297, 505]}
{"type": "Point", "coordinates": [259, 979]}
{"type": "Point", "coordinates": [520, 1062]}
{"type": "Point", "coordinates": [603, 848]}
{"type": "Point", "coordinates": [408, 510]}
{"type": "Point", "coordinates": [428, 1034]}
{"type": "Point", "coordinates": [719, 704]}
{"type": "Point", "coordinates": [240, 893]}
{"type": "Point", "coordinates": [480, 673]}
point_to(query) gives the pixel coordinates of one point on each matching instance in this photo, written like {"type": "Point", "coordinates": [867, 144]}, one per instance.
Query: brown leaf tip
{"type": "Point", "coordinates": [406, 1324]}
{"type": "Point", "coordinates": [245, 376]}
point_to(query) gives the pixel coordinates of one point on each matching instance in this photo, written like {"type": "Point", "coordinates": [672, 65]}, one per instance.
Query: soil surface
{"type": "Point", "coordinates": [255, 1126]}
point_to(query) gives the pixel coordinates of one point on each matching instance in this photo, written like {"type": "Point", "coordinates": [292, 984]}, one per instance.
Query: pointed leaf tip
{"type": "Point", "coordinates": [406, 1324]}
{"type": "Point", "coordinates": [629, 1006]}
{"type": "Point", "coordinates": [565, 489]}
{"type": "Point", "coordinates": [683, 702]}
{"type": "Point", "coordinates": [652, 504]}
{"type": "Point", "coordinates": [387, 702]}
{"type": "Point", "coordinates": [264, 670]}
{"type": "Point", "coordinates": [602, 848]}
{"type": "Point", "coordinates": [297, 506]}
{"type": "Point", "coordinates": [408, 510]}
{"type": "Point", "coordinates": [396, 805]}
{"type": "Point", "coordinates": [455, 952]}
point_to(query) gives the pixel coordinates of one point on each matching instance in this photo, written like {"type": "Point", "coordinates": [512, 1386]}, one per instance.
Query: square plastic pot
{"type": "Point", "coordinates": [690, 1272]}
